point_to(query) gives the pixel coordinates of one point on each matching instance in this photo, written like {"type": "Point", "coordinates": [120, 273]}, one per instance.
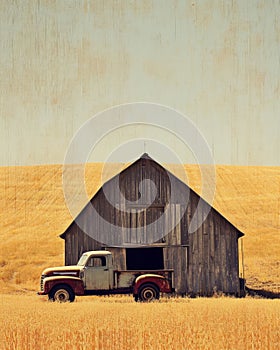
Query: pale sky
{"type": "Point", "coordinates": [217, 62]}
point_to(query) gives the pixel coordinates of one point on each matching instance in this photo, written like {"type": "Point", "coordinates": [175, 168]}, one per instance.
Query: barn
{"type": "Point", "coordinates": [143, 216]}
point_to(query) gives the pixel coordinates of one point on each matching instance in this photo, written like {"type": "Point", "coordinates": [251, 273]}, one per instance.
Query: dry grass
{"type": "Point", "coordinates": [33, 214]}
{"type": "Point", "coordinates": [119, 323]}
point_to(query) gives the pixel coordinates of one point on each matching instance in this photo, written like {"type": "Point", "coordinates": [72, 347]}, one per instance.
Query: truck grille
{"type": "Point", "coordinates": [42, 283]}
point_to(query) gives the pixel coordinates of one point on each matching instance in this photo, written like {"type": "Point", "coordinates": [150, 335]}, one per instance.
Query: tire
{"type": "Point", "coordinates": [148, 293]}
{"type": "Point", "coordinates": [62, 294]}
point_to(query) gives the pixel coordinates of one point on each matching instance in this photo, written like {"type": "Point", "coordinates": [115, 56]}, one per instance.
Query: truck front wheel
{"type": "Point", "coordinates": [62, 294]}
{"type": "Point", "coordinates": [148, 292]}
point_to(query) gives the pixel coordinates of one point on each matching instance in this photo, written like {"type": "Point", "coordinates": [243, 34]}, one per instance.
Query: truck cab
{"type": "Point", "coordinates": [95, 274]}
{"type": "Point", "coordinates": [97, 271]}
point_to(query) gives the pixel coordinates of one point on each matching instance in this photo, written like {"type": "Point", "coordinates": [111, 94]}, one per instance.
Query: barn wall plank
{"type": "Point", "coordinates": [178, 223]}
{"type": "Point", "coordinates": [212, 252]}
{"type": "Point", "coordinates": [218, 255]}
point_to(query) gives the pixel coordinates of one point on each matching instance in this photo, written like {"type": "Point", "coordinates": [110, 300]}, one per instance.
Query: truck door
{"type": "Point", "coordinates": [96, 273]}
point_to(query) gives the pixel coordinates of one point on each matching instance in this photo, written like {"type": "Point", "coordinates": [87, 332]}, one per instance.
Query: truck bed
{"type": "Point", "coordinates": [125, 278]}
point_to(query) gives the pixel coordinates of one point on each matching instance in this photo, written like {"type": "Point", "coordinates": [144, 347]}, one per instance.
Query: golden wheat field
{"type": "Point", "coordinates": [120, 323]}
{"type": "Point", "coordinates": [33, 214]}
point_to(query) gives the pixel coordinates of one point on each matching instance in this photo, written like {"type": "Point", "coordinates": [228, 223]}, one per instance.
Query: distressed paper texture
{"type": "Point", "coordinates": [215, 61]}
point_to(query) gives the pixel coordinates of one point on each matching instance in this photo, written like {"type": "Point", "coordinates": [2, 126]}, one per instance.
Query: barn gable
{"type": "Point", "coordinates": [142, 215]}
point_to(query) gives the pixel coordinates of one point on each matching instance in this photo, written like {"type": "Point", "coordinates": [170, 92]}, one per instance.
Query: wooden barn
{"type": "Point", "coordinates": [143, 215]}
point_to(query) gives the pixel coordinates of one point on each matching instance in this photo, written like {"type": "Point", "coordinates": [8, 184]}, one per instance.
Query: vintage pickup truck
{"type": "Point", "coordinates": [95, 274]}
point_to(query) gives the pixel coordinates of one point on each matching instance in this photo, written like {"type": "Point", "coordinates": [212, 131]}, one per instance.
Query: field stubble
{"type": "Point", "coordinates": [30, 322]}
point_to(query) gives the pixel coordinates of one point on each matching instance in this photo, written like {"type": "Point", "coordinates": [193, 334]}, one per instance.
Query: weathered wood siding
{"type": "Point", "coordinates": [204, 262]}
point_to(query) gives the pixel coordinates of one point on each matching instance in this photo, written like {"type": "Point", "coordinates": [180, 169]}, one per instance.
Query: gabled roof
{"type": "Point", "coordinates": [126, 167]}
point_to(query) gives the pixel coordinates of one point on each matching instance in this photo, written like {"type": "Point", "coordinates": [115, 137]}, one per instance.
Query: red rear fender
{"type": "Point", "coordinates": [159, 281]}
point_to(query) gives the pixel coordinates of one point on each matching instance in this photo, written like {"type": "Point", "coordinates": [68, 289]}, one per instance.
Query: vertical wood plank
{"type": "Point", "coordinates": [223, 252]}
{"type": "Point", "coordinates": [132, 238]}
{"type": "Point", "coordinates": [217, 255]}
{"type": "Point", "coordinates": [145, 227]}
{"type": "Point", "coordinates": [178, 223]}
{"type": "Point", "coordinates": [212, 252]}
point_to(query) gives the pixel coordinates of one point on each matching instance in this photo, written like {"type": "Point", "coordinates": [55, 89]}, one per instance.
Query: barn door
{"type": "Point", "coordinates": [176, 258]}
{"type": "Point", "coordinates": [144, 259]}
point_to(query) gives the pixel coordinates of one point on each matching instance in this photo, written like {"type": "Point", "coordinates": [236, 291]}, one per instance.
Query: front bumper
{"type": "Point", "coordinates": [41, 293]}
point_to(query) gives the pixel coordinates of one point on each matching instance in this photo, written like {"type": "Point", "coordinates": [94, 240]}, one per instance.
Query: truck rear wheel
{"type": "Point", "coordinates": [148, 292]}
{"type": "Point", "coordinates": [62, 294]}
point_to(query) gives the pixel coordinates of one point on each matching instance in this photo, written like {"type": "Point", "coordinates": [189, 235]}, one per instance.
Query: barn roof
{"type": "Point", "coordinates": [127, 166]}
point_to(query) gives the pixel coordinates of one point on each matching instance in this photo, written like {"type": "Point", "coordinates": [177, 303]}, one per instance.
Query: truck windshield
{"type": "Point", "coordinates": [82, 260]}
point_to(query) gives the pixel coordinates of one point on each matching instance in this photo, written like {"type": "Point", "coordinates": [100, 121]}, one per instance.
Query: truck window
{"type": "Point", "coordinates": [97, 261]}
{"type": "Point", "coordinates": [82, 260]}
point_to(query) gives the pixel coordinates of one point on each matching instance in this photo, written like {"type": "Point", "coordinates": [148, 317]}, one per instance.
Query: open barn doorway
{"type": "Point", "coordinates": [144, 259]}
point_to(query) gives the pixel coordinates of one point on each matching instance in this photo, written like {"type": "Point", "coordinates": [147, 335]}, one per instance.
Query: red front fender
{"type": "Point", "coordinates": [160, 281]}
{"type": "Point", "coordinates": [75, 283]}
